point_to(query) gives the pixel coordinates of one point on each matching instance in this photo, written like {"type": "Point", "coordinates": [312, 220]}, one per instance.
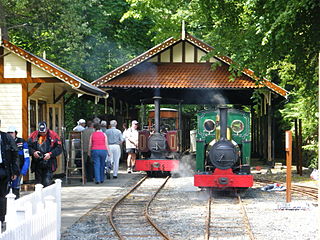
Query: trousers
{"type": "Point", "coordinates": [99, 157]}
{"type": "Point", "coordinates": [4, 180]}
{"type": "Point", "coordinates": [43, 176]}
{"type": "Point", "coordinates": [115, 153]}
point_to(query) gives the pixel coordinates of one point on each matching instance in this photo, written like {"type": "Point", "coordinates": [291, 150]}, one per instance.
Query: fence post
{"type": "Point", "coordinates": [58, 183]}
{"type": "Point", "coordinates": [51, 209]}
{"type": "Point", "coordinates": [289, 164]}
{"type": "Point", "coordinates": [28, 216]}
{"type": "Point", "coordinates": [39, 200]}
{"type": "Point", "coordinates": [10, 217]}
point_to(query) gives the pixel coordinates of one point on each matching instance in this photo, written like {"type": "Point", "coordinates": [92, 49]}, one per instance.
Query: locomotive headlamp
{"type": "Point", "coordinates": [209, 125]}
{"type": "Point", "coordinates": [237, 126]}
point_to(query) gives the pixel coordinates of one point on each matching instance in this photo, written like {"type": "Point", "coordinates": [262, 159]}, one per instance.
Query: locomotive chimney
{"type": "Point", "coordinates": [157, 110]}
{"type": "Point", "coordinates": [223, 122]}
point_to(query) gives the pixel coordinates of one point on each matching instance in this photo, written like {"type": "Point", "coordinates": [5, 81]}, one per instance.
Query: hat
{"type": "Point", "coordinates": [11, 129]}
{"type": "Point", "coordinates": [103, 123]}
{"type": "Point", "coordinates": [81, 121]}
{"type": "Point", "coordinates": [42, 126]}
{"type": "Point", "coordinates": [134, 122]}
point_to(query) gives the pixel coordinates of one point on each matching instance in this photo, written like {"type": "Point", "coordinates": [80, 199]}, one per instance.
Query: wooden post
{"type": "Point", "coordinates": [296, 145]}
{"type": "Point", "coordinates": [269, 138]}
{"type": "Point", "coordinates": [319, 142]}
{"type": "Point", "coordinates": [289, 163]}
{"type": "Point", "coordinates": [300, 147]}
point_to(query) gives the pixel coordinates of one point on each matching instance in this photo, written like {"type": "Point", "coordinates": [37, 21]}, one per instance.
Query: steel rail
{"type": "Point", "coordinates": [146, 212]}
{"type": "Point", "coordinates": [233, 230]}
{"type": "Point", "coordinates": [118, 202]}
{"type": "Point", "coordinates": [208, 220]}
{"type": "Point", "coordinates": [246, 219]}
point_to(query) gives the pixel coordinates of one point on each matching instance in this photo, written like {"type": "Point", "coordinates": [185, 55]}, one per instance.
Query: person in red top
{"type": "Point", "coordinates": [98, 144]}
{"type": "Point", "coordinates": [44, 146]}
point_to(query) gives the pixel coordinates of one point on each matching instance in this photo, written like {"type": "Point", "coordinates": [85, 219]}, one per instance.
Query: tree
{"type": "Point", "coordinates": [85, 37]}
{"type": "Point", "coordinates": [278, 39]}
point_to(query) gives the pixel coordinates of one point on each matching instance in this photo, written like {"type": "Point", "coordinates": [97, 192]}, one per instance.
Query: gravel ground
{"type": "Point", "coordinates": [181, 208]}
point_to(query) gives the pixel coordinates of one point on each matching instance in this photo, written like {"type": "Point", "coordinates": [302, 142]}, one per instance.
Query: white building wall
{"type": "Point", "coordinates": [177, 53]}
{"type": "Point", "coordinates": [11, 106]}
{"type": "Point", "coordinates": [189, 53]}
{"type": "Point", "coordinates": [38, 72]}
{"type": "Point", "coordinates": [14, 66]}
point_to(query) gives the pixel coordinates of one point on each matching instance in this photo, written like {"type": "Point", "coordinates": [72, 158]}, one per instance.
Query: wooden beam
{"type": "Point", "coordinates": [33, 89]}
{"type": "Point", "coordinates": [24, 110]}
{"type": "Point", "coordinates": [183, 51]}
{"type": "Point", "coordinates": [60, 96]}
{"type": "Point", "coordinates": [29, 71]}
{"type": "Point", "coordinates": [69, 98]}
{"type": "Point", "coordinates": [1, 64]}
{"type": "Point", "coordinates": [269, 140]}
{"type": "Point", "coordinates": [3, 55]}
{"type": "Point", "coordinates": [32, 80]}
{"type": "Point", "coordinates": [195, 54]}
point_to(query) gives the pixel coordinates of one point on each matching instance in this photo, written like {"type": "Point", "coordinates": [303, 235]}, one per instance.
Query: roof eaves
{"type": "Point", "coordinates": [204, 46]}
{"type": "Point", "coordinates": [53, 69]}
{"type": "Point", "coordinates": [141, 58]}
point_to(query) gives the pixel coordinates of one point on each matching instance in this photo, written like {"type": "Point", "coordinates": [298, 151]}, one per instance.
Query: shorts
{"type": "Point", "coordinates": [131, 150]}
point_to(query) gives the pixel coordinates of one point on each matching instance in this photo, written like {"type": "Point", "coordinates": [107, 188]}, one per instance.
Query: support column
{"type": "Point", "coordinates": [269, 136]}
{"type": "Point", "coordinates": [142, 114]}
{"type": "Point", "coordinates": [157, 113]}
{"type": "Point", "coordinates": [24, 110]}
{"type": "Point", "coordinates": [106, 106]}
{"type": "Point", "coordinates": [1, 63]}
{"type": "Point", "coordinates": [180, 127]}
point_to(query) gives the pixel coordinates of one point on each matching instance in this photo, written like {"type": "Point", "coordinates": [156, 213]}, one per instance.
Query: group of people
{"type": "Point", "coordinates": [44, 146]}
{"type": "Point", "coordinates": [102, 147]}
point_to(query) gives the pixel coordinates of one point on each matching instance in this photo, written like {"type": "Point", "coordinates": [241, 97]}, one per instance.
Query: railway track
{"type": "Point", "coordinates": [129, 216]}
{"type": "Point", "coordinates": [227, 219]}
{"type": "Point", "coordinates": [304, 190]}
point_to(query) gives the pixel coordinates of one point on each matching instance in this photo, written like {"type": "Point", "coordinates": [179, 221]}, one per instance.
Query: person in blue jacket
{"type": "Point", "coordinates": [24, 159]}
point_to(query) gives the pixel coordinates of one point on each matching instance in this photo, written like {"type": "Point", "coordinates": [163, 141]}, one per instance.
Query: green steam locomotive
{"type": "Point", "coordinates": [223, 147]}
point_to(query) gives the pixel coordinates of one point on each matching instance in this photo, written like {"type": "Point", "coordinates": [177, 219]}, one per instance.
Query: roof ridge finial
{"type": "Point", "coordinates": [183, 31]}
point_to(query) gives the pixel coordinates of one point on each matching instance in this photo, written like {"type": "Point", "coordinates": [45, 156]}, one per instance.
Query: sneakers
{"type": "Point", "coordinates": [129, 170]}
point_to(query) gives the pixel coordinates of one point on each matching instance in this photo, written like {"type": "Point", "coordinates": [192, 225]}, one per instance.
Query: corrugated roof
{"type": "Point", "coordinates": [55, 70]}
{"type": "Point", "coordinates": [180, 75]}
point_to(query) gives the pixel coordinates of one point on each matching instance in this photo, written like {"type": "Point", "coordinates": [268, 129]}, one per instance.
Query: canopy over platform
{"type": "Point", "coordinates": [177, 69]}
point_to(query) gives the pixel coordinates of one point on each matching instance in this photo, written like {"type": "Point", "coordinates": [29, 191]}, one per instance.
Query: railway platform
{"type": "Point", "coordinates": [78, 199]}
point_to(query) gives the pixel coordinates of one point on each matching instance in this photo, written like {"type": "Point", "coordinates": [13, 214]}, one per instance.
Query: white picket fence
{"type": "Point", "coordinates": [36, 216]}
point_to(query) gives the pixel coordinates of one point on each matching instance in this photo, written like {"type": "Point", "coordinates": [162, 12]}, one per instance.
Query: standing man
{"type": "Point", "coordinates": [24, 159]}
{"type": "Point", "coordinates": [104, 126]}
{"type": "Point", "coordinates": [44, 146]}
{"type": "Point", "coordinates": [131, 135]}
{"type": "Point", "coordinates": [8, 168]}
{"type": "Point", "coordinates": [115, 139]}
{"type": "Point", "coordinates": [81, 126]}
{"type": "Point", "coordinates": [86, 134]}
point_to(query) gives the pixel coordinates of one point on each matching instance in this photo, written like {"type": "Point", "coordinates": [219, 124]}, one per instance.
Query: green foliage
{"type": "Point", "coordinates": [85, 37]}
{"type": "Point", "coordinates": [278, 39]}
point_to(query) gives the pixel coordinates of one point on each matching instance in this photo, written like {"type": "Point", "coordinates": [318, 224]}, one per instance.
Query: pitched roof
{"type": "Point", "coordinates": [56, 71]}
{"type": "Point", "coordinates": [164, 75]}
{"type": "Point", "coordinates": [120, 76]}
